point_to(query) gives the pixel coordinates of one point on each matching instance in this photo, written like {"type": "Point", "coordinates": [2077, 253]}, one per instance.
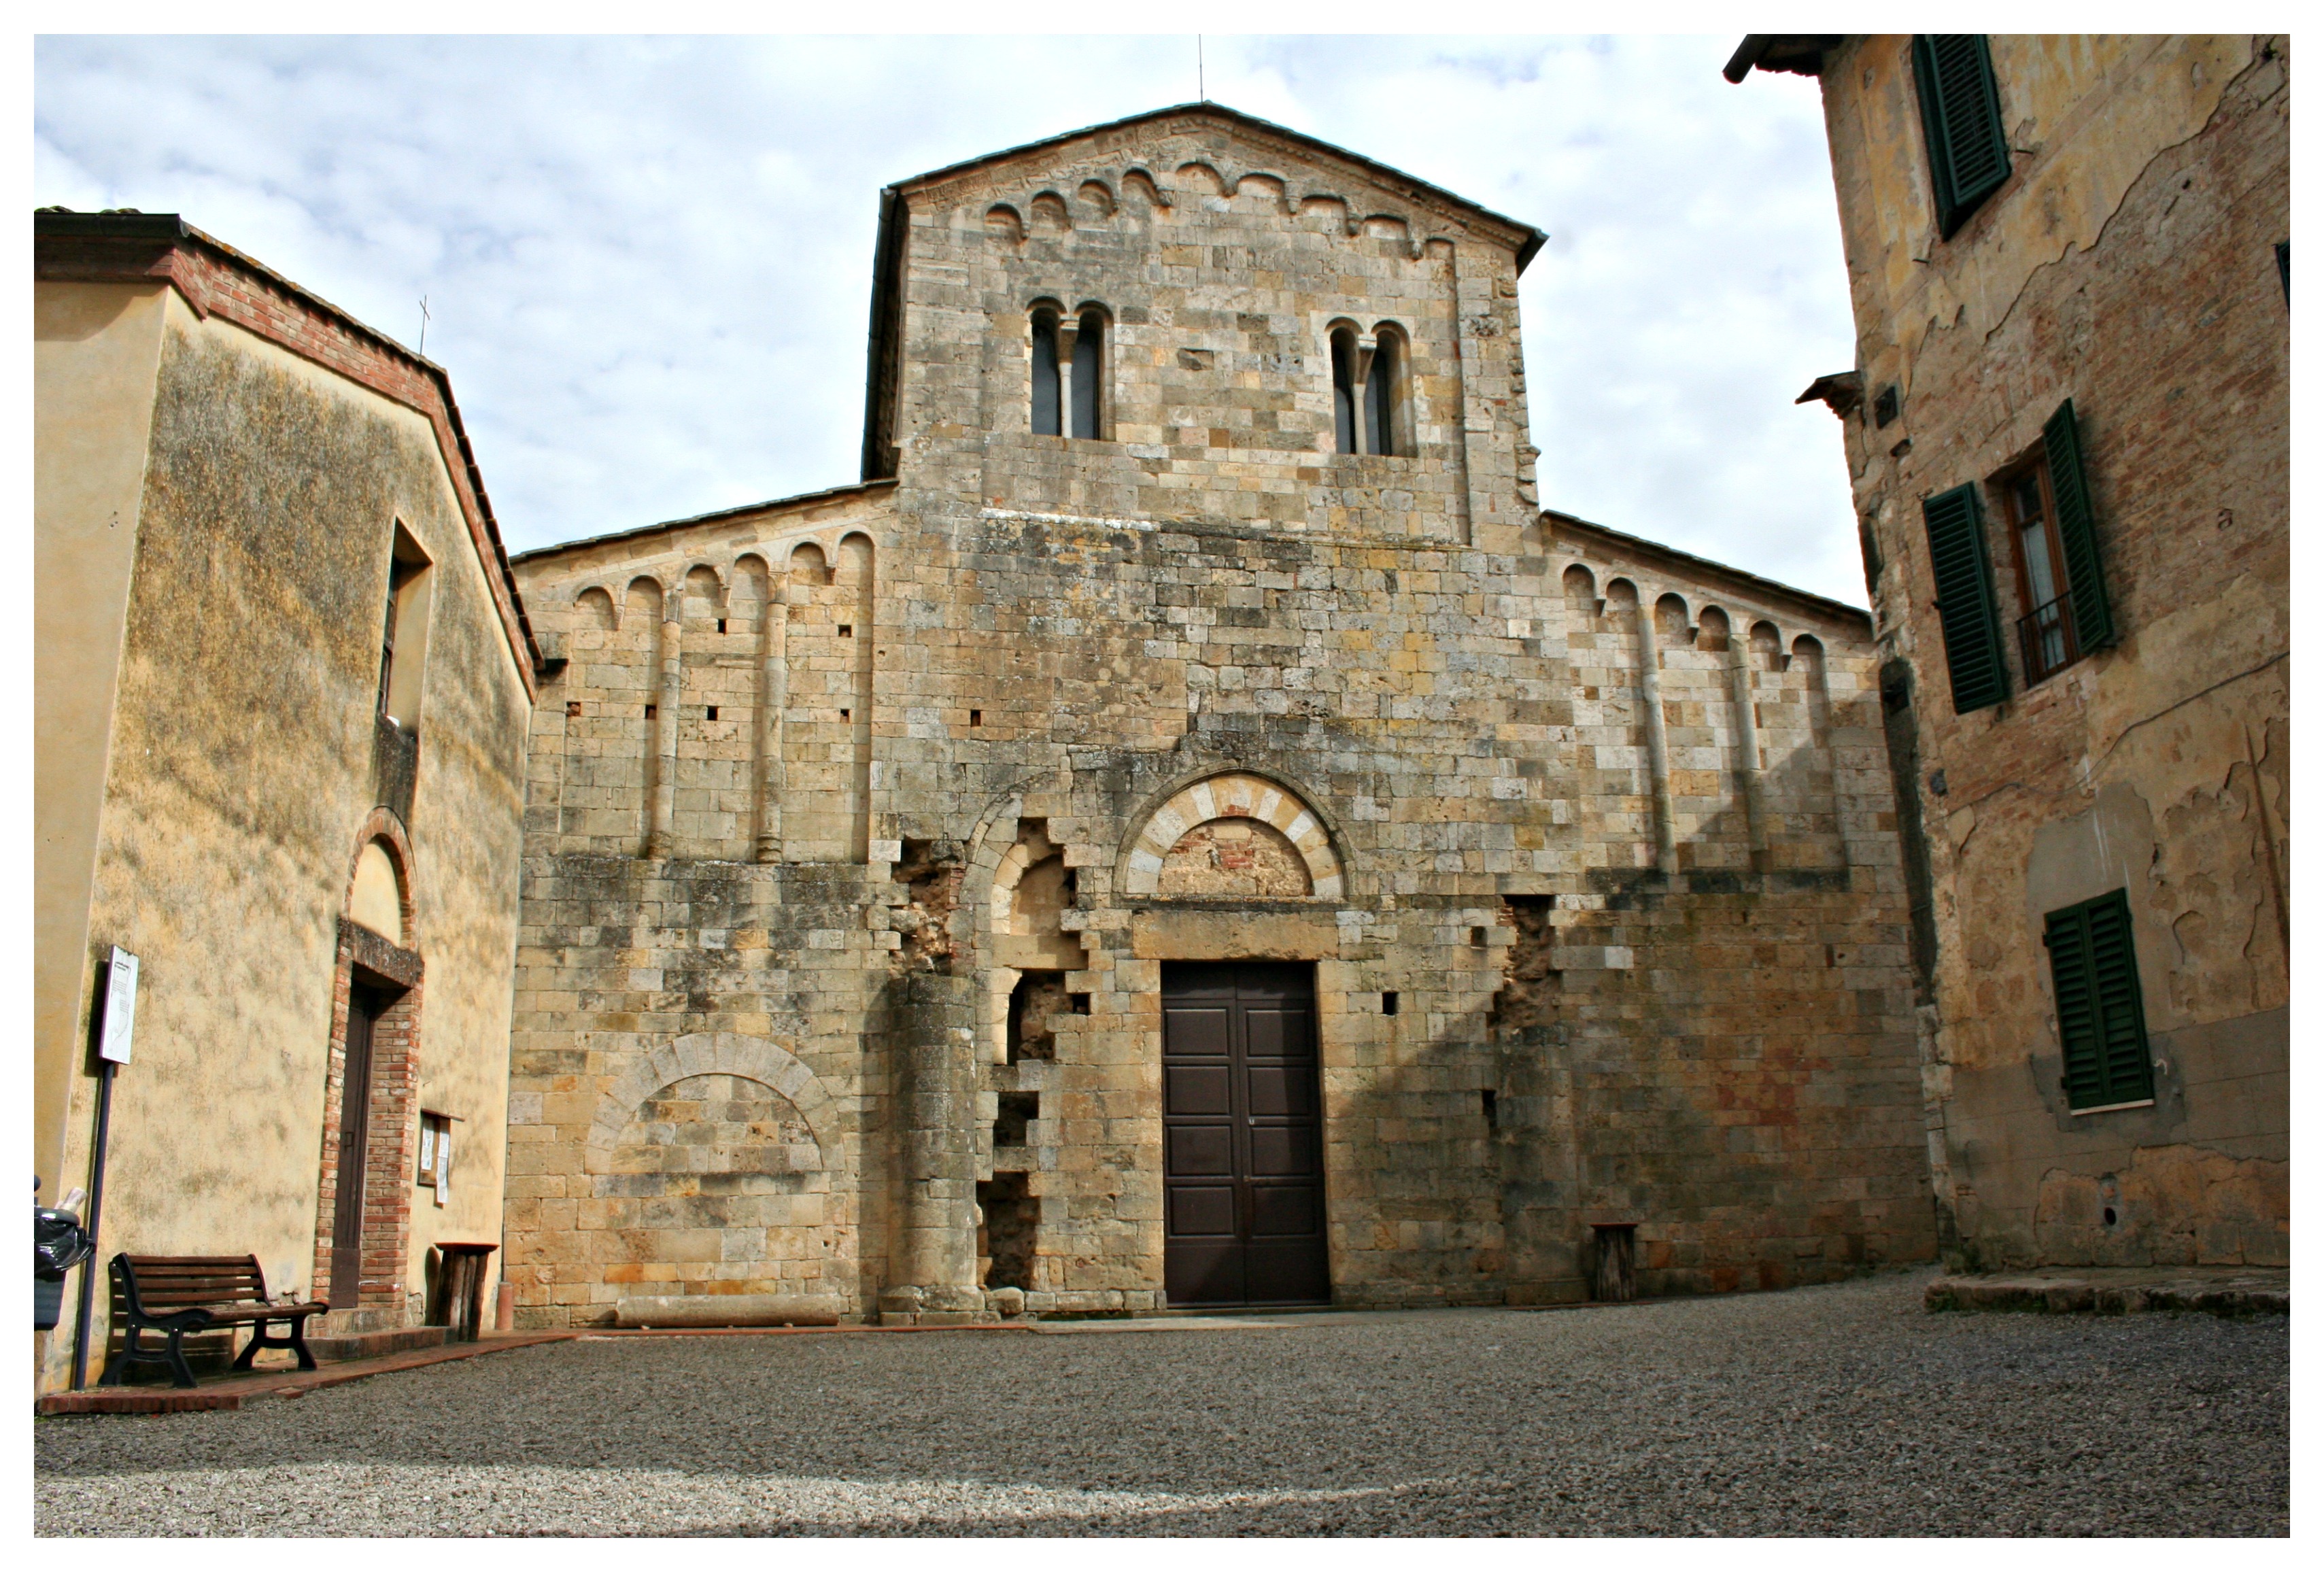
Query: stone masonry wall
{"type": "Point", "coordinates": [1417, 706]}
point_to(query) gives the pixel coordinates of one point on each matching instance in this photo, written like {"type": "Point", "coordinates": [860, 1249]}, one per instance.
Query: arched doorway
{"type": "Point", "coordinates": [1242, 1129]}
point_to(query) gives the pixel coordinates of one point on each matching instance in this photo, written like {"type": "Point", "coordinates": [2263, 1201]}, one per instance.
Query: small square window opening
{"type": "Point", "coordinates": [1388, 1002]}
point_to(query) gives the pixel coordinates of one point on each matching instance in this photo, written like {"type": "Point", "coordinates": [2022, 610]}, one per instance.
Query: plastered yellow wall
{"type": "Point", "coordinates": [240, 774]}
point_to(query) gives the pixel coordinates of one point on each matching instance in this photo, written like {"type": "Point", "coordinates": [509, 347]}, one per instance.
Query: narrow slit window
{"type": "Point", "coordinates": [711, 713]}
{"type": "Point", "coordinates": [1089, 377]}
{"type": "Point", "coordinates": [976, 717]}
{"type": "Point", "coordinates": [403, 635]}
{"type": "Point", "coordinates": [1380, 398]}
{"type": "Point", "coordinates": [1388, 1003]}
{"type": "Point", "coordinates": [1344, 392]}
{"type": "Point", "coordinates": [1046, 381]}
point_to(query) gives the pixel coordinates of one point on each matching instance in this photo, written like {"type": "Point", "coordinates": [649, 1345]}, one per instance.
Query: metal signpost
{"type": "Point", "coordinates": [120, 1024]}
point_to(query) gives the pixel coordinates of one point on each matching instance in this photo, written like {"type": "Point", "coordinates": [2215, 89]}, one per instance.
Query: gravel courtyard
{"type": "Point", "coordinates": [1831, 1410]}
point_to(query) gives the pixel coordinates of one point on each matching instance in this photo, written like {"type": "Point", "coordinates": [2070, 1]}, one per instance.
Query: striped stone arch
{"type": "Point", "coordinates": [712, 1053]}
{"type": "Point", "coordinates": [1233, 795]}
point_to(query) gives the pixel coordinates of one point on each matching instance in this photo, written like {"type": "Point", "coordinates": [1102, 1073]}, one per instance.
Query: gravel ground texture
{"type": "Point", "coordinates": [1844, 1409]}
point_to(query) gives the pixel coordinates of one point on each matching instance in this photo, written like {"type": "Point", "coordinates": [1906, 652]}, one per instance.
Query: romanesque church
{"type": "Point", "coordinates": [1188, 826]}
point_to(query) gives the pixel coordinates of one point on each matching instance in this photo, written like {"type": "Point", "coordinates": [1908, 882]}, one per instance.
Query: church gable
{"type": "Point", "coordinates": [1195, 288]}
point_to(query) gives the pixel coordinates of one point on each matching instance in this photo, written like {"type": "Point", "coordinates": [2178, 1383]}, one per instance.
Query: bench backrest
{"type": "Point", "coordinates": [176, 1282]}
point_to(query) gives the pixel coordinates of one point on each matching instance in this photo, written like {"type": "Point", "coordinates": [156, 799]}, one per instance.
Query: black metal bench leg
{"type": "Point", "coordinates": [298, 1342]}
{"type": "Point", "coordinates": [182, 1374]}
{"type": "Point", "coordinates": [258, 1339]}
{"type": "Point", "coordinates": [118, 1370]}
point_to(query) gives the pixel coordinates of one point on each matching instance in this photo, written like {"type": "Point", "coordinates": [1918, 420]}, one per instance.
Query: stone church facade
{"type": "Point", "coordinates": [1188, 827]}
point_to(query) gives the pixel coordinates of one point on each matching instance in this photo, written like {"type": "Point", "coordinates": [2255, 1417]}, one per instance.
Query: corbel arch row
{"type": "Point", "coordinates": [1233, 792]}
{"type": "Point", "coordinates": [712, 1053]}
{"type": "Point", "coordinates": [1097, 197]}
{"type": "Point", "coordinates": [1703, 624]}
{"type": "Point", "coordinates": [832, 550]}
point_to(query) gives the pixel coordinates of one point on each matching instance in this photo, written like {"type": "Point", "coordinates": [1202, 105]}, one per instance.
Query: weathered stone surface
{"type": "Point", "coordinates": [2128, 263]}
{"type": "Point", "coordinates": [729, 1310]}
{"type": "Point", "coordinates": [1204, 688]}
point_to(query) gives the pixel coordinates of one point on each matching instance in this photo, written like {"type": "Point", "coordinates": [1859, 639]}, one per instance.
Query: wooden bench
{"type": "Point", "coordinates": [178, 1294]}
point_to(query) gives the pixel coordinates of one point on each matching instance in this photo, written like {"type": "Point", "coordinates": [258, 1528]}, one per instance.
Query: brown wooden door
{"type": "Point", "coordinates": [1241, 1136]}
{"type": "Point", "coordinates": [365, 1007]}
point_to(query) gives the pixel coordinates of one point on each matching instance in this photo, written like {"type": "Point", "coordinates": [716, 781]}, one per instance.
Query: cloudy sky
{"type": "Point", "coordinates": [647, 262]}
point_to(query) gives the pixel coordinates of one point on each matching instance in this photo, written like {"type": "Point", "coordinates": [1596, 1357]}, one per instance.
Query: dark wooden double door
{"type": "Point", "coordinates": [1242, 1135]}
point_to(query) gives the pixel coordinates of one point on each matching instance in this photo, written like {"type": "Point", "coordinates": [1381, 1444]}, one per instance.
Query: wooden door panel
{"type": "Point", "coordinates": [1279, 1033]}
{"type": "Point", "coordinates": [1288, 1153]}
{"type": "Point", "coordinates": [1202, 1211]}
{"type": "Point", "coordinates": [1199, 1032]}
{"type": "Point", "coordinates": [1198, 1091]}
{"type": "Point", "coordinates": [1281, 1091]}
{"type": "Point", "coordinates": [1202, 1152]}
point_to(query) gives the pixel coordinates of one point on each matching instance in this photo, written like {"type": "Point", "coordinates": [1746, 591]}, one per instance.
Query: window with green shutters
{"type": "Point", "coordinates": [1960, 113]}
{"type": "Point", "coordinates": [1964, 606]}
{"type": "Point", "coordinates": [2101, 1022]}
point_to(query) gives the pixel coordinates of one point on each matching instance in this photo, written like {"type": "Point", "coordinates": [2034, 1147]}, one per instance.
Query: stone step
{"type": "Point", "coordinates": [2117, 1292]}
{"type": "Point", "coordinates": [373, 1345]}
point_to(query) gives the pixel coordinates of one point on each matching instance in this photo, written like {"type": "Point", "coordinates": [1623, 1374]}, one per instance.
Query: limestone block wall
{"type": "Point", "coordinates": [2130, 265]}
{"type": "Point", "coordinates": [693, 1106]}
{"type": "Point", "coordinates": [1221, 261]}
{"type": "Point", "coordinates": [1541, 805]}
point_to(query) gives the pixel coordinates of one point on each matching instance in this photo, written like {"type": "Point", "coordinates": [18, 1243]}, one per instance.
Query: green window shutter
{"type": "Point", "coordinates": [2077, 532]}
{"type": "Point", "coordinates": [1961, 114]}
{"type": "Point", "coordinates": [2101, 1018]}
{"type": "Point", "coordinates": [2079, 1037]}
{"type": "Point", "coordinates": [1972, 626]}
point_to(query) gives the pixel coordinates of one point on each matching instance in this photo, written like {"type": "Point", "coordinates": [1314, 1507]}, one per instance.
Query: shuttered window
{"type": "Point", "coordinates": [1960, 113]}
{"type": "Point", "coordinates": [2101, 1022]}
{"type": "Point", "coordinates": [2077, 532]}
{"type": "Point", "coordinates": [1964, 606]}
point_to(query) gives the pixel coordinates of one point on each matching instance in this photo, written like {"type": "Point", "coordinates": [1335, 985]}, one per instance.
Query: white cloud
{"type": "Point", "coordinates": [648, 261]}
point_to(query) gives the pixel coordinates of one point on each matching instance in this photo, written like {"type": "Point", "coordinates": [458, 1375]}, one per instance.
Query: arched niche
{"type": "Point", "coordinates": [1713, 632]}
{"type": "Point", "coordinates": [1258, 837]}
{"type": "Point", "coordinates": [713, 1053]}
{"type": "Point", "coordinates": [1670, 621]}
{"type": "Point", "coordinates": [593, 608]}
{"type": "Point", "coordinates": [375, 895]}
